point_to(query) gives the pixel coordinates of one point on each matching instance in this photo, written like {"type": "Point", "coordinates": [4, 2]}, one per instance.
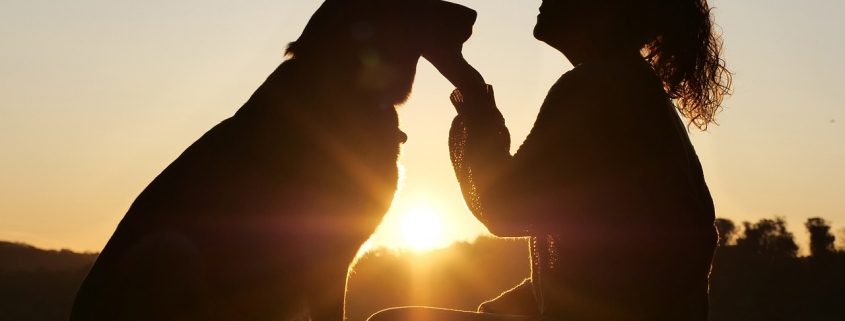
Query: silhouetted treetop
{"type": "Point", "coordinates": [841, 243]}
{"type": "Point", "coordinates": [768, 237]}
{"type": "Point", "coordinates": [821, 240]}
{"type": "Point", "coordinates": [727, 231]}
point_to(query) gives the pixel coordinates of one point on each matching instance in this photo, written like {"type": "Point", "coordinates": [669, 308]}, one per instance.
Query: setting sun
{"type": "Point", "coordinates": [419, 224]}
{"type": "Point", "coordinates": [422, 229]}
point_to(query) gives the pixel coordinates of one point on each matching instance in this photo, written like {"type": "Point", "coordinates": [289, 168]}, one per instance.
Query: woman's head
{"type": "Point", "coordinates": [676, 36]}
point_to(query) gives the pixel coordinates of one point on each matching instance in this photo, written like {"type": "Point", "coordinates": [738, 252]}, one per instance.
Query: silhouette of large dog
{"type": "Point", "coordinates": [260, 218]}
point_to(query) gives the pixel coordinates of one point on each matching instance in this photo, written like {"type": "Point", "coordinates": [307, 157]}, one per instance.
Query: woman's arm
{"type": "Point", "coordinates": [574, 169]}
{"type": "Point", "coordinates": [479, 141]}
{"type": "Point", "coordinates": [577, 167]}
{"type": "Point", "coordinates": [479, 145]}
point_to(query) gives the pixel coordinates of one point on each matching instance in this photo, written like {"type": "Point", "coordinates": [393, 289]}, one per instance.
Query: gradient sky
{"type": "Point", "coordinates": [97, 97]}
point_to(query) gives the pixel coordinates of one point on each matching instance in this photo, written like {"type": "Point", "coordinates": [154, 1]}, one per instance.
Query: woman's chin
{"type": "Point", "coordinates": [545, 26]}
{"type": "Point", "coordinates": [540, 31]}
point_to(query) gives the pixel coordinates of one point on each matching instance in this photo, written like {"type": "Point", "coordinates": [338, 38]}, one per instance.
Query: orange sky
{"type": "Point", "coordinates": [98, 96]}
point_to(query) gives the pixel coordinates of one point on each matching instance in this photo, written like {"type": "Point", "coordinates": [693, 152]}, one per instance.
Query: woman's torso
{"type": "Point", "coordinates": [645, 252]}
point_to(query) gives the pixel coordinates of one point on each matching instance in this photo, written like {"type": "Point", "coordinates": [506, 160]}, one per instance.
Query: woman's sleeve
{"type": "Point", "coordinates": [479, 145]}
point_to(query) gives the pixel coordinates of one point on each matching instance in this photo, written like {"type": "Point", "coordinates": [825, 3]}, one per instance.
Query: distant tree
{"type": "Point", "coordinates": [727, 231]}
{"type": "Point", "coordinates": [841, 240]}
{"type": "Point", "coordinates": [768, 237]}
{"type": "Point", "coordinates": [821, 240]}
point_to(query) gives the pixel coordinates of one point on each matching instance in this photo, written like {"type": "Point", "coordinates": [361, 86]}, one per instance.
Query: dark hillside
{"type": "Point", "coordinates": [39, 285]}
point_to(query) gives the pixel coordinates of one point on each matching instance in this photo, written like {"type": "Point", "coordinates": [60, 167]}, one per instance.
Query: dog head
{"type": "Point", "coordinates": [379, 42]}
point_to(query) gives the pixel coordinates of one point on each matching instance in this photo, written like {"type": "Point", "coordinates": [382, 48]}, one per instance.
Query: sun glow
{"type": "Point", "coordinates": [422, 229]}
{"type": "Point", "coordinates": [422, 225]}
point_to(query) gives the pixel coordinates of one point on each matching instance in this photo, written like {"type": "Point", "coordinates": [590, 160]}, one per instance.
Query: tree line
{"type": "Point", "coordinates": [757, 275]}
{"type": "Point", "coordinates": [770, 237]}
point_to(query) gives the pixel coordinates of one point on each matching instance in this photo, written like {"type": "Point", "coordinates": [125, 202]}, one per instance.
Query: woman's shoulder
{"type": "Point", "coordinates": [628, 71]}
{"type": "Point", "coordinates": [618, 83]}
{"type": "Point", "coordinates": [620, 98]}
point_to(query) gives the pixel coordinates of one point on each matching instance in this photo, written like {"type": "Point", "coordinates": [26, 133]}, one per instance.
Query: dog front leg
{"type": "Point", "coordinates": [326, 297]}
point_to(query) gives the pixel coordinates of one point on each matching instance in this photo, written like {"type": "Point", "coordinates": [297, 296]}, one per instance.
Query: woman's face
{"type": "Point", "coordinates": [578, 25]}
{"type": "Point", "coordinates": [557, 18]}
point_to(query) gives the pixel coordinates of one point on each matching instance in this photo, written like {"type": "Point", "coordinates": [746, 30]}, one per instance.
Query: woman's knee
{"type": "Point", "coordinates": [427, 314]}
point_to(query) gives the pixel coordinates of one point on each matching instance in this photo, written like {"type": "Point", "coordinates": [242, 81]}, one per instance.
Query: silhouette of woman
{"type": "Point", "coordinates": [607, 185]}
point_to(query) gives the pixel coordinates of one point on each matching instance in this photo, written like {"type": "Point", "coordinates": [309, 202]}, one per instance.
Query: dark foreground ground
{"type": "Point", "coordinates": [39, 285]}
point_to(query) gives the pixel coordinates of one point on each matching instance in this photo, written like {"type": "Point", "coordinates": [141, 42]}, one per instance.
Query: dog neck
{"type": "Point", "coordinates": [299, 88]}
{"type": "Point", "coordinates": [336, 81]}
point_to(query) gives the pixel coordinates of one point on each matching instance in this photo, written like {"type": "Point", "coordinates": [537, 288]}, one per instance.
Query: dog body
{"type": "Point", "coordinates": [260, 218]}
{"type": "Point", "coordinates": [263, 197]}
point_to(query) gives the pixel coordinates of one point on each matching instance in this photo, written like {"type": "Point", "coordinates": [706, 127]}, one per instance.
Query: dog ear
{"type": "Point", "coordinates": [328, 16]}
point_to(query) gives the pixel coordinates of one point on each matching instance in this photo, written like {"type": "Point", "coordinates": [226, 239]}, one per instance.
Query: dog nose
{"type": "Point", "coordinates": [452, 21]}
{"type": "Point", "coordinates": [460, 12]}
{"type": "Point", "coordinates": [403, 138]}
{"type": "Point", "coordinates": [459, 16]}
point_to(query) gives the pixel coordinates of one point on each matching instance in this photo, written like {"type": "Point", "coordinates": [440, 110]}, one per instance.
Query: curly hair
{"type": "Point", "coordinates": [686, 53]}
